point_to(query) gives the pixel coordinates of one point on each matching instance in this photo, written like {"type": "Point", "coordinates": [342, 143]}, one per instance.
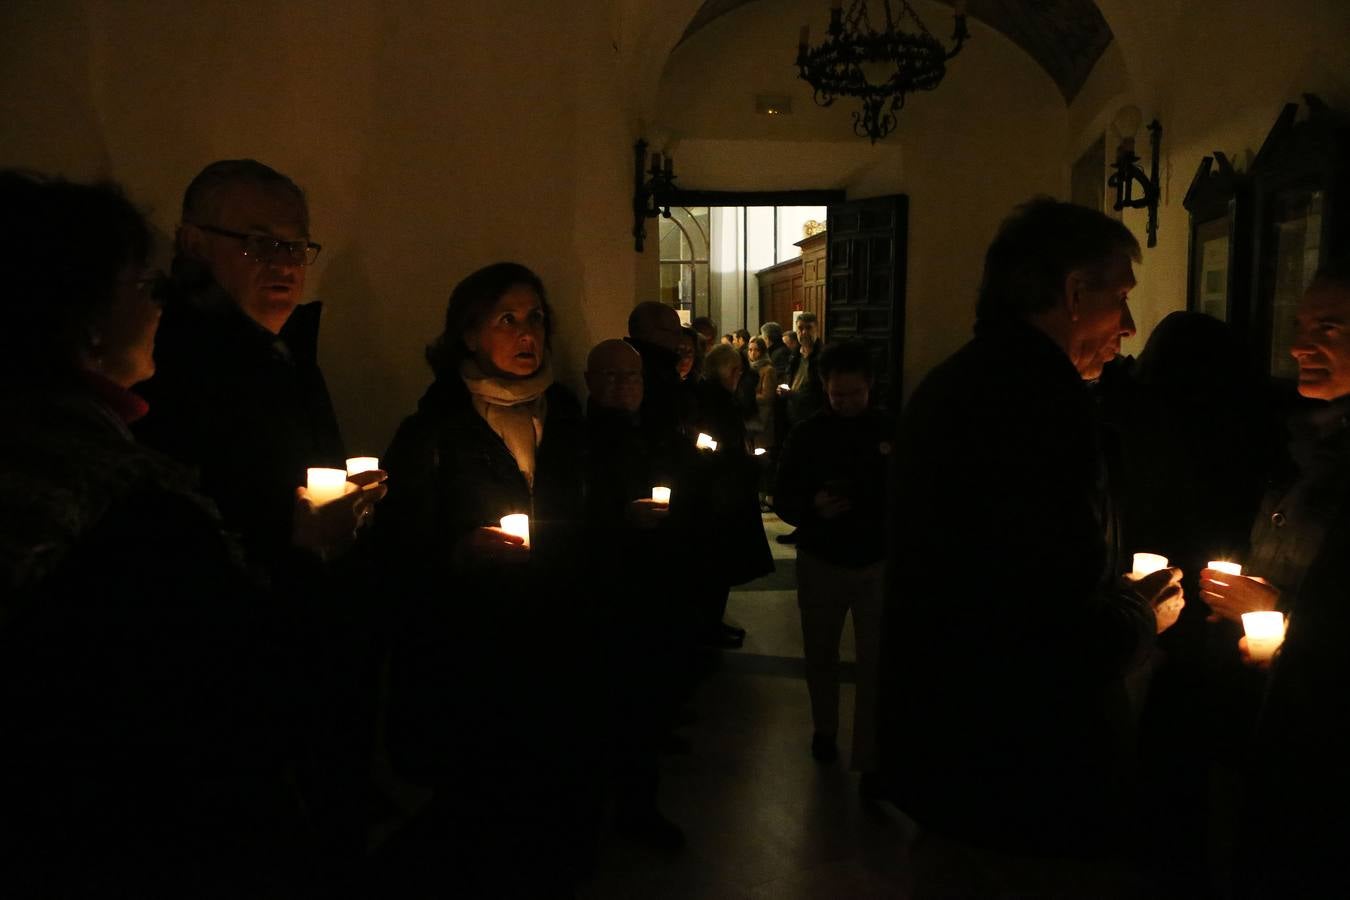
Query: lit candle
{"type": "Point", "coordinates": [358, 464]}
{"type": "Point", "coordinates": [705, 442]}
{"type": "Point", "coordinates": [1265, 633]}
{"type": "Point", "coordinates": [785, 387]}
{"type": "Point", "coordinates": [1147, 564]}
{"type": "Point", "coordinates": [760, 451]}
{"type": "Point", "coordinates": [325, 485]}
{"type": "Point", "coordinates": [661, 494]}
{"type": "Point", "coordinates": [517, 524]}
{"type": "Point", "coordinates": [1228, 568]}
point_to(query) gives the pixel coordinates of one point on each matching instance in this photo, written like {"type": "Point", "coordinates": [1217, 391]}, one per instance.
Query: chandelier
{"type": "Point", "coordinates": [877, 66]}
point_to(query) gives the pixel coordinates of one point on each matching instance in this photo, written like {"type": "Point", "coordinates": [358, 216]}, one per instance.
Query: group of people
{"type": "Point", "coordinates": [199, 660]}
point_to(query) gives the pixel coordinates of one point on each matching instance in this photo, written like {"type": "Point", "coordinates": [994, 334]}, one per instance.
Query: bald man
{"type": "Point", "coordinates": [628, 538]}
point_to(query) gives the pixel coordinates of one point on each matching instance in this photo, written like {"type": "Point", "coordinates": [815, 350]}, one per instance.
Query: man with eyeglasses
{"type": "Point", "coordinates": [239, 395]}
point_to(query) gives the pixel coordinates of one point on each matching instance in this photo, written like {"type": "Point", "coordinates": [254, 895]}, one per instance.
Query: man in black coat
{"type": "Point", "coordinates": [1009, 625]}
{"type": "Point", "coordinates": [1298, 788]}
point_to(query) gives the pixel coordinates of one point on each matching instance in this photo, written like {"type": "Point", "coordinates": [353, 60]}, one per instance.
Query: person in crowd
{"type": "Point", "coordinates": [628, 536]}
{"type": "Point", "coordinates": [794, 348]}
{"type": "Point", "coordinates": [654, 331]}
{"type": "Point", "coordinates": [1295, 829]}
{"type": "Point", "coordinates": [149, 683]}
{"type": "Point", "coordinates": [729, 340]}
{"type": "Point", "coordinates": [765, 390]}
{"type": "Point", "coordinates": [831, 485]}
{"type": "Point", "coordinates": [689, 365]}
{"type": "Point", "coordinates": [239, 396]}
{"type": "Point", "coordinates": [1198, 440]}
{"type": "Point", "coordinates": [731, 544]}
{"type": "Point", "coordinates": [706, 329]}
{"type": "Point", "coordinates": [804, 327]}
{"type": "Point", "coordinates": [805, 396]}
{"type": "Point", "coordinates": [740, 338]}
{"type": "Point", "coordinates": [779, 354]}
{"type": "Point", "coordinates": [1010, 626]}
{"type": "Point", "coordinates": [489, 690]}
{"type": "Point", "coordinates": [238, 393]}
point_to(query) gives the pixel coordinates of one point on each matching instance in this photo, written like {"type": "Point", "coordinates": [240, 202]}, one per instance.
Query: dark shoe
{"type": "Point", "coordinates": [823, 748]}
{"type": "Point", "coordinates": [651, 829]}
{"type": "Point", "coordinates": [790, 538]}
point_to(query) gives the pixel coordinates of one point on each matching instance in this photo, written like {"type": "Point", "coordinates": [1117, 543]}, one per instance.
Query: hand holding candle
{"type": "Point", "coordinates": [519, 525]}
{"type": "Point", "coordinates": [661, 494]}
{"type": "Point", "coordinates": [705, 442]}
{"type": "Point", "coordinates": [323, 486]}
{"type": "Point", "coordinates": [1147, 564]}
{"type": "Point", "coordinates": [1230, 594]}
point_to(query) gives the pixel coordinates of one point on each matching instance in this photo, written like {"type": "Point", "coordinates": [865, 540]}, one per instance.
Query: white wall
{"type": "Point", "coordinates": [432, 138]}
{"type": "Point", "coordinates": [991, 135]}
{"type": "Point", "coordinates": [1215, 75]}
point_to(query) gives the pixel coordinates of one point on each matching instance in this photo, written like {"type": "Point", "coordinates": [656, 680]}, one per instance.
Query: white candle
{"type": "Point", "coordinates": [785, 387]}
{"type": "Point", "coordinates": [325, 485]}
{"type": "Point", "coordinates": [705, 442]}
{"type": "Point", "coordinates": [760, 451]}
{"type": "Point", "coordinates": [358, 464]}
{"type": "Point", "coordinates": [517, 524]}
{"type": "Point", "coordinates": [1228, 568]}
{"type": "Point", "coordinates": [1147, 564]}
{"type": "Point", "coordinates": [661, 494]}
{"type": "Point", "coordinates": [1265, 633]}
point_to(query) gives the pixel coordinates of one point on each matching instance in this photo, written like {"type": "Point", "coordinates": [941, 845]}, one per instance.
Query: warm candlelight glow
{"type": "Point", "coordinates": [705, 442]}
{"type": "Point", "coordinates": [325, 485]}
{"type": "Point", "coordinates": [1265, 633]}
{"type": "Point", "coordinates": [661, 494]}
{"type": "Point", "coordinates": [785, 387]}
{"type": "Point", "coordinates": [760, 451]}
{"type": "Point", "coordinates": [1147, 564]}
{"type": "Point", "coordinates": [358, 464]}
{"type": "Point", "coordinates": [517, 524]}
{"type": "Point", "coordinates": [1228, 568]}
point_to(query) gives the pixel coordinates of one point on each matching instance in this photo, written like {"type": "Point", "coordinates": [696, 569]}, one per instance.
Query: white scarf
{"type": "Point", "coordinates": [513, 407]}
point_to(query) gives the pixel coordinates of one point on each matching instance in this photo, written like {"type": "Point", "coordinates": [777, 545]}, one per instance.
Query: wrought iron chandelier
{"type": "Point", "coordinates": [879, 67]}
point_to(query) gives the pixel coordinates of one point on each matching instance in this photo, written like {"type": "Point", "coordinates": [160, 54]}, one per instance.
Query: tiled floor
{"type": "Point", "coordinates": [763, 819]}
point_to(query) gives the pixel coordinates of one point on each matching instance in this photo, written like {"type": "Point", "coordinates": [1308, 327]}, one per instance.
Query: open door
{"type": "Point", "coordinates": [865, 289]}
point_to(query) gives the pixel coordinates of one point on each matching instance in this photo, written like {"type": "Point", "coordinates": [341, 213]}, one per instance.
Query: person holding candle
{"type": "Point", "coordinates": [1299, 564]}
{"type": "Point", "coordinates": [238, 393]}
{"type": "Point", "coordinates": [486, 686]}
{"type": "Point", "coordinates": [148, 688]}
{"type": "Point", "coordinates": [831, 486]}
{"type": "Point", "coordinates": [1009, 626]}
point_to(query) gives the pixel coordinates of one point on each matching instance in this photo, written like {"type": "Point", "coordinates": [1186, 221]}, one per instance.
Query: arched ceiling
{"type": "Point", "coordinates": [1065, 37]}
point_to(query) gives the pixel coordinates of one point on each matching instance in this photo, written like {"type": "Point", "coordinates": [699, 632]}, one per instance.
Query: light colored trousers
{"type": "Point", "coordinates": [825, 593]}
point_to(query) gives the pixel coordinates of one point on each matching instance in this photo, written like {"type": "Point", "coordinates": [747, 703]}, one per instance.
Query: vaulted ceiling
{"type": "Point", "coordinates": [1066, 37]}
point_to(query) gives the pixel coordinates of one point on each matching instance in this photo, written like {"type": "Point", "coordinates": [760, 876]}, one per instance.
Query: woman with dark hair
{"type": "Point", "coordinates": [146, 696]}
{"type": "Point", "coordinates": [481, 695]}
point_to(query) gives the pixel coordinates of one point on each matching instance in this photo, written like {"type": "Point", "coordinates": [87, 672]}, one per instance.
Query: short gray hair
{"type": "Point", "coordinates": [772, 330]}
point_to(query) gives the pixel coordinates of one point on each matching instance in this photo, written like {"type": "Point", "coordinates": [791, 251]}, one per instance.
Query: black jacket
{"type": "Point", "coordinates": [1004, 641]}
{"type": "Point", "coordinates": [849, 457]}
{"type": "Point", "coordinates": [249, 410]}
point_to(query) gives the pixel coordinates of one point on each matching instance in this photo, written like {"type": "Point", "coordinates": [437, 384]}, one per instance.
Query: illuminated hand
{"type": "Point", "coordinates": [646, 513]}
{"type": "Point", "coordinates": [1244, 650]}
{"type": "Point", "coordinates": [1161, 590]}
{"type": "Point", "coordinates": [328, 530]}
{"type": "Point", "coordinates": [1229, 596]}
{"type": "Point", "coordinates": [490, 545]}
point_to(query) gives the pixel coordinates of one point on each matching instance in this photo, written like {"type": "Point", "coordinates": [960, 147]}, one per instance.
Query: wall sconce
{"type": "Point", "coordinates": [1127, 171]}
{"type": "Point", "coordinates": [651, 190]}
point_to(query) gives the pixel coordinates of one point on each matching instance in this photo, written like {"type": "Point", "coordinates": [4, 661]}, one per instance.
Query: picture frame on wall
{"type": "Point", "coordinates": [1219, 203]}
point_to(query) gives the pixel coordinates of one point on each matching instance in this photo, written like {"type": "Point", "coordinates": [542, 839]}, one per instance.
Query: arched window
{"type": "Point", "coordinates": [684, 259]}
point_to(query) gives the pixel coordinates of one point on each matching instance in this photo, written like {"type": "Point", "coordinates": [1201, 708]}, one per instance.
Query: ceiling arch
{"type": "Point", "coordinates": [1064, 37]}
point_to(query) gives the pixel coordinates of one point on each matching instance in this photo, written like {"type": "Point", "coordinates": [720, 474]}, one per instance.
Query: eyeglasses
{"type": "Point", "coordinates": [267, 249]}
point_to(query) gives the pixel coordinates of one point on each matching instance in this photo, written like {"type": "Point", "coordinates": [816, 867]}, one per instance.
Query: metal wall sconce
{"type": "Point", "coordinates": [651, 190]}
{"type": "Point", "coordinates": [1127, 171]}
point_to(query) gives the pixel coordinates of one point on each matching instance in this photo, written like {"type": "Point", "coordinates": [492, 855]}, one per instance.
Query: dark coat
{"type": "Point", "coordinates": [494, 626]}
{"type": "Point", "coordinates": [723, 515]}
{"type": "Point", "coordinates": [850, 458]}
{"type": "Point", "coordinates": [1003, 644]}
{"type": "Point", "coordinates": [149, 689]}
{"type": "Point", "coordinates": [248, 409]}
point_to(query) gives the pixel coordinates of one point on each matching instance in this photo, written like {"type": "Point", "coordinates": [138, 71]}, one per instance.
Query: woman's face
{"type": "Point", "coordinates": [509, 340]}
{"type": "Point", "coordinates": [685, 364]}
{"type": "Point", "coordinates": [753, 351]}
{"type": "Point", "coordinates": [123, 350]}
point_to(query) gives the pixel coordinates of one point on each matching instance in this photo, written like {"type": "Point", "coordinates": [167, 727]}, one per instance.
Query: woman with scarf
{"type": "Point", "coordinates": [486, 689]}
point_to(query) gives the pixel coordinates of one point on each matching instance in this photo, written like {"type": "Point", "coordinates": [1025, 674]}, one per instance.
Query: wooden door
{"type": "Point", "coordinates": [865, 261]}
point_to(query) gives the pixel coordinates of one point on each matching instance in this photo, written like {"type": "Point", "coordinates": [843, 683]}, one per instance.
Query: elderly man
{"type": "Point", "coordinates": [238, 392]}
{"type": "Point", "coordinates": [1300, 565]}
{"type": "Point", "coordinates": [1009, 626]}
